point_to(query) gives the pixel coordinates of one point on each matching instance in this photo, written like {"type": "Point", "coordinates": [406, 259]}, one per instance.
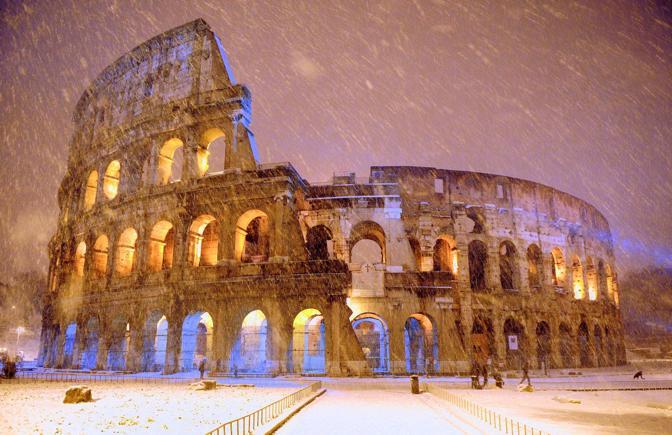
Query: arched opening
{"type": "Point", "coordinates": [125, 255]}
{"type": "Point", "coordinates": [90, 353]}
{"type": "Point", "coordinates": [69, 344]}
{"type": "Point", "coordinates": [421, 344]}
{"type": "Point", "coordinates": [610, 349]}
{"type": "Point", "coordinates": [566, 348]}
{"type": "Point", "coordinates": [599, 346]}
{"type": "Point", "coordinates": [367, 230]}
{"type": "Point", "coordinates": [80, 259]}
{"type": "Point", "coordinates": [478, 257]}
{"type": "Point", "coordinates": [196, 339]}
{"type": "Point", "coordinates": [111, 179]}
{"type": "Point", "coordinates": [515, 352]}
{"type": "Point", "coordinates": [558, 264]}
{"type": "Point", "coordinates": [319, 243]}
{"type": "Point", "coordinates": [100, 251]}
{"type": "Point", "coordinates": [478, 220]}
{"type": "Point", "coordinates": [534, 266]}
{"type": "Point", "coordinates": [482, 340]}
{"type": "Point", "coordinates": [52, 351]}
{"type": "Point", "coordinates": [91, 190]}
{"type": "Point", "coordinates": [203, 241]}
{"type": "Point", "coordinates": [577, 279]}
{"type": "Point", "coordinates": [250, 351]}
{"type": "Point", "coordinates": [371, 332]}
{"type": "Point", "coordinates": [543, 333]}
{"type": "Point", "coordinates": [584, 345]}
{"type": "Point", "coordinates": [154, 340]}
{"type": "Point", "coordinates": [591, 279]}
{"type": "Point", "coordinates": [445, 255]}
{"type": "Point", "coordinates": [609, 279]}
{"type": "Point", "coordinates": [211, 153]}
{"type": "Point", "coordinates": [161, 243]}
{"type": "Point", "coordinates": [252, 237]}
{"type": "Point", "coordinates": [507, 266]}
{"type": "Point", "coordinates": [120, 340]}
{"type": "Point", "coordinates": [308, 354]}
{"type": "Point", "coordinates": [171, 161]}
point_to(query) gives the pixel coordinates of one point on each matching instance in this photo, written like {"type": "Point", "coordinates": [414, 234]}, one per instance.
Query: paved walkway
{"type": "Point", "coordinates": [377, 411]}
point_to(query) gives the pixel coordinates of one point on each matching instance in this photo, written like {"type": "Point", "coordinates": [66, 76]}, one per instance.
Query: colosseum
{"type": "Point", "coordinates": [175, 243]}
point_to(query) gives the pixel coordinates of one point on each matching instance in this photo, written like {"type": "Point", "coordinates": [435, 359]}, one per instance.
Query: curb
{"type": "Point", "coordinates": [274, 426]}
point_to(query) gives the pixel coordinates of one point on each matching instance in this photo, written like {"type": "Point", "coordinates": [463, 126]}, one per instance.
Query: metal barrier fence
{"type": "Point", "coordinates": [248, 423]}
{"type": "Point", "coordinates": [496, 420]}
{"type": "Point", "coordinates": [24, 378]}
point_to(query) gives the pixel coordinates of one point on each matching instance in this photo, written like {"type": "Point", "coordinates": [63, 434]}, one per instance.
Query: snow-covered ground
{"type": "Point", "coordinates": [601, 412]}
{"type": "Point", "coordinates": [129, 408]}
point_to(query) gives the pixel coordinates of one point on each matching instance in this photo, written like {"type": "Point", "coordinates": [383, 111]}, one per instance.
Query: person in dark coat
{"type": "Point", "coordinates": [526, 374]}
{"type": "Point", "coordinates": [201, 366]}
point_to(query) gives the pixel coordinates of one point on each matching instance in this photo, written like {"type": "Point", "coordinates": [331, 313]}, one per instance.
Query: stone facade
{"type": "Point", "coordinates": [410, 270]}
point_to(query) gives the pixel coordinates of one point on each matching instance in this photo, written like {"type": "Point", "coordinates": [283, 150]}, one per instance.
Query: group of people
{"type": "Point", "coordinates": [481, 369]}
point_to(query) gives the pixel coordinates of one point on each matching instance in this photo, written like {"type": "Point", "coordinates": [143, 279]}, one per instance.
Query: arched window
{"type": "Point", "coordinates": [252, 237]}
{"type": "Point", "coordinates": [584, 345]}
{"type": "Point", "coordinates": [372, 334]}
{"type": "Point", "coordinates": [125, 255]}
{"type": "Point", "coordinates": [591, 278]}
{"type": "Point", "coordinates": [514, 336]}
{"type": "Point", "coordinates": [308, 342]}
{"type": "Point", "coordinates": [91, 190]}
{"type": "Point", "coordinates": [478, 258]}
{"type": "Point", "coordinates": [367, 230]}
{"type": "Point", "coordinates": [609, 280]}
{"type": "Point", "coordinates": [482, 339]}
{"type": "Point", "coordinates": [445, 255]}
{"type": "Point", "coordinates": [80, 257]}
{"type": "Point", "coordinates": [100, 252]}
{"type": "Point", "coordinates": [507, 265]}
{"type": "Point", "coordinates": [558, 264]}
{"type": "Point", "coordinates": [252, 347]}
{"type": "Point", "coordinates": [543, 344]}
{"type": "Point", "coordinates": [319, 243]}
{"type": "Point", "coordinates": [203, 241]}
{"type": "Point", "coordinates": [197, 336]}
{"type": "Point", "coordinates": [577, 278]}
{"type": "Point", "coordinates": [534, 266]}
{"type": "Point", "coordinates": [161, 242]}
{"type": "Point", "coordinates": [171, 161]}
{"type": "Point", "coordinates": [111, 179]}
{"type": "Point", "coordinates": [210, 154]}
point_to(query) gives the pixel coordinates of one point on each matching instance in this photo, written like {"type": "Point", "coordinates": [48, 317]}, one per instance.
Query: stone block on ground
{"type": "Point", "coordinates": [78, 394]}
{"type": "Point", "coordinates": [205, 384]}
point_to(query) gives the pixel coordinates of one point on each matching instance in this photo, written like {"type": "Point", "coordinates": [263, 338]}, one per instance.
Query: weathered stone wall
{"type": "Point", "coordinates": [376, 275]}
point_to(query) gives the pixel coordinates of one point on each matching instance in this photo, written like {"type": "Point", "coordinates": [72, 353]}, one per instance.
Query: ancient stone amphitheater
{"type": "Point", "coordinates": [175, 243]}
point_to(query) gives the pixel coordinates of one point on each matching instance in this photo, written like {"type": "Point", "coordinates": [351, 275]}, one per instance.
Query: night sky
{"type": "Point", "coordinates": [573, 94]}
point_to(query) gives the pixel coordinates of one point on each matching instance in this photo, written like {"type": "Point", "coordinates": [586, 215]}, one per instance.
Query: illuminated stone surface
{"type": "Point", "coordinates": [162, 259]}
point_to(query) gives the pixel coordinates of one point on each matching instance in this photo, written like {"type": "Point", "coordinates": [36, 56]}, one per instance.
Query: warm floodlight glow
{"type": "Point", "coordinates": [111, 179]}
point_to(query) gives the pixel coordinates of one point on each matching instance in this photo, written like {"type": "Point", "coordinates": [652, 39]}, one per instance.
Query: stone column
{"type": "Point", "coordinates": [227, 230]}
{"type": "Point", "coordinates": [397, 343]}
{"type": "Point", "coordinates": [80, 344]}
{"type": "Point", "coordinates": [500, 340]}
{"type": "Point", "coordinates": [104, 339]}
{"type": "Point", "coordinates": [278, 236]}
{"type": "Point", "coordinates": [190, 155]}
{"type": "Point", "coordinates": [134, 356]}
{"type": "Point", "coordinates": [60, 347]}
{"type": "Point", "coordinates": [173, 344]}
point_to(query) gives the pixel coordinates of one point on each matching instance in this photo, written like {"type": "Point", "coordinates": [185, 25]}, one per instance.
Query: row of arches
{"type": "Point", "coordinates": [583, 347]}
{"type": "Point", "coordinates": [250, 351]}
{"type": "Point", "coordinates": [170, 165]}
{"type": "Point", "coordinates": [251, 245]}
{"type": "Point", "coordinates": [596, 280]}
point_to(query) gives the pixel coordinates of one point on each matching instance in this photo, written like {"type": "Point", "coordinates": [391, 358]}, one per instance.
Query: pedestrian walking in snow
{"type": "Point", "coordinates": [201, 367]}
{"type": "Point", "coordinates": [526, 374]}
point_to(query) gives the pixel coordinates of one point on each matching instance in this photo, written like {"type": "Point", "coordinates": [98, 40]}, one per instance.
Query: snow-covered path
{"type": "Point", "coordinates": [376, 411]}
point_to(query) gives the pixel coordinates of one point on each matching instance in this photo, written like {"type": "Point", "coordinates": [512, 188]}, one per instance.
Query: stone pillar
{"type": "Point", "coordinates": [500, 340]}
{"type": "Point", "coordinates": [190, 156]}
{"type": "Point", "coordinates": [80, 344]}
{"type": "Point", "coordinates": [173, 344]}
{"type": "Point", "coordinates": [397, 343]}
{"type": "Point", "coordinates": [104, 339]}
{"type": "Point", "coordinates": [278, 237]}
{"type": "Point", "coordinates": [227, 230]}
{"type": "Point", "coordinates": [134, 356]}
{"type": "Point", "coordinates": [530, 349]}
{"type": "Point", "coordinates": [60, 347]}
